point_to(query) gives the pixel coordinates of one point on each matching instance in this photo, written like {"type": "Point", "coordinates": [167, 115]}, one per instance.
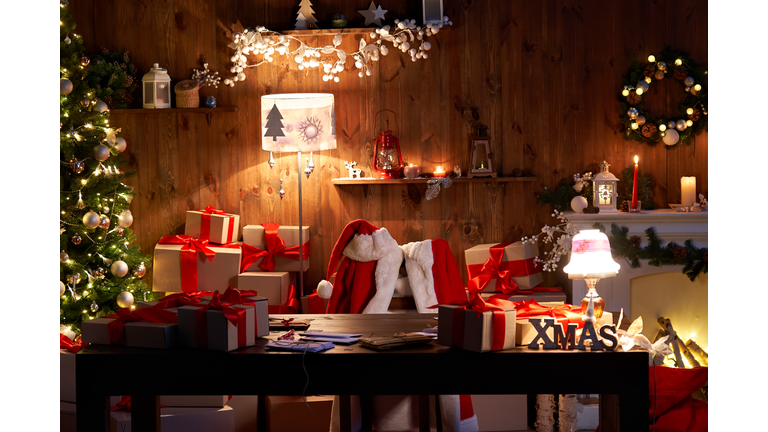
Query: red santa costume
{"type": "Point", "coordinates": [368, 261]}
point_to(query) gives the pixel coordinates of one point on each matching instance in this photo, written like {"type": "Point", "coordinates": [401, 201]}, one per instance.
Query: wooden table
{"type": "Point", "coordinates": [104, 371]}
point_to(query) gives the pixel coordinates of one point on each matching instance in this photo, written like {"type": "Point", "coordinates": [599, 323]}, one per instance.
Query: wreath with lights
{"type": "Point", "coordinates": [691, 118]}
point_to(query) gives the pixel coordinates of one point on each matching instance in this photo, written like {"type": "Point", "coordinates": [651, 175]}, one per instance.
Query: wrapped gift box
{"type": "Point", "coordinates": [212, 275]}
{"type": "Point", "coordinates": [222, 335]}
{"type": "Point", "coordinates": [66, 376]}
{"type": "Point", "coordinates": [517, 257]}
{"type": "Point", "coordinates": [551, 298]}
{"type": "Point", "coordinates": [477, 334]}
{"type": "Point", "coordinates": [291, 413]}
{"type": "Point", "coordinates": [174, 419]}
{"type": "Point", "coordinates": [526, 333]}
{"type": "Point", "coordinates": [137, 334]}
{"type": "Point", "coordinates": [220, 228]}
{"type": "Point", "coordinates": [275, 286]}
{"type": "Point", "coordinates": [253, 235]}
{"type": "Point", "coordinates": [217, 401]}
{"type": "Point", "coordinates": [261, 311]}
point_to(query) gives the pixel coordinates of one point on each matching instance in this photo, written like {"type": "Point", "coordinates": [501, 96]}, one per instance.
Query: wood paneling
{"type": "Point", "coordinates": [542, 74]}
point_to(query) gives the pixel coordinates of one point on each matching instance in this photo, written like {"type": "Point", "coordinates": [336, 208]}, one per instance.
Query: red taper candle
{"type": "Point", "coordinates": [634, 187]}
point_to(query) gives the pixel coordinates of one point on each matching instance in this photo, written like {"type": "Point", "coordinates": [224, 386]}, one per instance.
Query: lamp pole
{"type": "Point", "coordinates": [301, 240]}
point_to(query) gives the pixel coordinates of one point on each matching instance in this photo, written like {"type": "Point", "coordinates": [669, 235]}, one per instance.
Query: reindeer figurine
{"type": "Point", "coordinates": [353, 172]}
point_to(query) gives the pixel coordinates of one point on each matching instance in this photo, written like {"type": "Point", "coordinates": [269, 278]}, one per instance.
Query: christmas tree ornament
{"type": "Point", "coordinates": [103, 221]}
{"type": "Point", "coordinates": [124, 219]}
{"type": "Point", "coordinates": [652, 58]}
{"type": "Point", "coordinates": [271, 161]}
{"type": "Point", "coordinates": [648, 130]}
{"type": "Point", "coordinates": [119, 268]}
{"type": "Point", "coordinates": [65, 86]}
{"type": "Point", "coordinates": [101, 152]}
{"type": "Point", "coordinates": [659, 75]}
{"type": "Point", "coordinates": [579, 203]}
{"type": "Point", "coordinates": [680, 125]}
{"type": "Point", "coordinates": [105, 210]}
{"type": "Point", "coordinates": [640, 120]}
{"type": "Point", "coordinates": [311, 164]}
{"type": "Point", "coordinates": [373, 15]}
{"type": "Point", "coordinates": [139, 271]}
{"type": "Point", "coordinates": [281, 192]}
{"type": "Point", "coordinates": [76, 165]}
{"type": "Point", "coordinates": [662, 66]}
{"type": "Point", "coordinates": [688, 81]}
{"type": "Point", "coordinates": [94, 307]}
{"type": "Point", "coordinates": [634, 125]}
{"type": "Point", "coordinates": [662, 127]}
{"type": "Point", "coordinates": [697, 87]}
{"type": "Point", "coordinates": [74, 278]}
{"type": "Point", "coordinates": [91, 220]}
{"type": "Point", "coordinates": [625, 92]}
{"type": "Point", "coordinates": [120, 232]}
{"type": "Point", "coordinates": [100, 106]}
{"type": "Point", "coordinates": [67, 40]}
{"type": "Point", "coordinates": [98, 272]}
{"type": "Point", "coordinates": [76, 239]}
{"type": "Point", "coordinates": [62, 288]}
{"type": "Point", "coordinates": [671, 124]}
{"type": "Point", "coordinates": [84, 61]}
{"type": "Point", "coordinates": [671, 138]}
{"type": "Point", "coordinates": [120, 144]}
{"type": "Point", "coordinates": [689, 111]}
{"type": "Point", "coordinates": [632, 113]}
{"type": "Point", "coordinates": [63, 257]}
{"type": "Point", "coordinates": [125, 299]}
{"type": "Point", "coordinates": [84, 102]}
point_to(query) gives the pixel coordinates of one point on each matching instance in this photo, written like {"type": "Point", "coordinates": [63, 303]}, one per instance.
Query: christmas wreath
{"type": "Point", "coordinates": [691, 118]}
{"type": "Point", "coordinates": [113, 78]}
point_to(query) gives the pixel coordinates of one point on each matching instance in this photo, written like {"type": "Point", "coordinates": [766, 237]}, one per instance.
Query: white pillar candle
{"type": "Point", "coordinates": [687, 191]}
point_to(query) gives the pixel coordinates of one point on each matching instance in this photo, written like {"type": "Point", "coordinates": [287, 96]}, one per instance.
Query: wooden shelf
{"type": "Point", "coordinates": [334, 31]}
{"type": "Point", "coordinates": [209, 112]}
{"type": "Point", "coordinates": [373, 181]}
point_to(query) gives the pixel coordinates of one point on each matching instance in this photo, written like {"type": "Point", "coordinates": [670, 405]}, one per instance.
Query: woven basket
{"type": "Point", "coordinates": [187, 95]}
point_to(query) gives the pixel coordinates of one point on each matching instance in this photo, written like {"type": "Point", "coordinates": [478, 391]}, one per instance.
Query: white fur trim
{"type": "Point", "coordinates": [418, 263]}
{"type": "Point", "coordinates": [370, 247]}
{"type": "Point", "coordinates": [379, 246]}
{"type": "Point", "coordinates": [324, 289]}
{"type": "Point", "coordinates": [402, 288]}
{"type": "Point", "coordinates": [450, 411]}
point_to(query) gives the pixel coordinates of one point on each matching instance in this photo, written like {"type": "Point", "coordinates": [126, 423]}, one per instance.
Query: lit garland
{"type": "Point", "coordinates": [267, 43]}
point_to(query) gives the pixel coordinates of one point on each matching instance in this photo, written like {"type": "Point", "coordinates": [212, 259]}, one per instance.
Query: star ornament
{"type": "Point", "coordinates": [373, 15]}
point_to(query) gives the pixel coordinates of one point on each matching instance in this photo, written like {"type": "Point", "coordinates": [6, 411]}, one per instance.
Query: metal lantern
{"type": "Point", "coordinates": [156, 86]}
{"type": "Point", "coordinates": [605, 189]}
{"type": "Point", "coordinates": [387, 160]}
{"type": "Point", "coordinates": [433, 11]}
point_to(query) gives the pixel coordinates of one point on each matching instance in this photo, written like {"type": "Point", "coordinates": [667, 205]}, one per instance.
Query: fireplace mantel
{"type": "Point", "coordinates": [671, 226]}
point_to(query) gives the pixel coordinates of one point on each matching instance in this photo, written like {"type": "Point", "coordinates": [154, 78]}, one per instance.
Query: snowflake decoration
{"type": "Point", "coordinates": [559, 235]}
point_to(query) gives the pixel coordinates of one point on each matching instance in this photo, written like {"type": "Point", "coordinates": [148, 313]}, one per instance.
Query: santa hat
{"type": "Point", "coordinates": [432, 274]}
{"type": "Point", "coordinates": [368, 261]}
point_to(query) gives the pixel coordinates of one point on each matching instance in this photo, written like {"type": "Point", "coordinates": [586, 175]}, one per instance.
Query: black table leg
{"type": "Point", "coordinates": [262, 413]}
{"type": "Point", "coordinates": [92, 412]}
{"type": "Point", "coordinates": [633, 404]}
{"type": "Point", "coordinates": [145, 412]}
{"type": "Point", "coordinates": [345, 413]}
{"type": "Point", "coordinates": [609, 413]}
{"type": "Point", "coordinates": [366, 412]}
{"type": "Point", "coordinates": [423, 413]}
{"type": "Point", "coordinates": [438, 415]}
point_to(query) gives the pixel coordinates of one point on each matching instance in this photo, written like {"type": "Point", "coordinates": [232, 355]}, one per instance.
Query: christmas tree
{"type": "Point", "coordinates": [305, 11]}
{"type": "Point", "coordinates": [101, 268]}
{"type": "Point", "coordinates": [274, 124]}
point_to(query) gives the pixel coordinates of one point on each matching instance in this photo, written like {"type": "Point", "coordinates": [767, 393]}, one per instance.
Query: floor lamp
{"type": "Point", "coordinates": [298, 122]}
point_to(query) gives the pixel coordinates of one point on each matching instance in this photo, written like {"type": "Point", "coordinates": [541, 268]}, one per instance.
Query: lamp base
{"type": "Point", "coordinates": [597, 302]}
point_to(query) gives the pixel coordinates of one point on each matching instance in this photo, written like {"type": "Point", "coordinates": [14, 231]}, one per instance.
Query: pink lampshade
{"type": "Point", "coordinates": [591, 256]}
{"type": "Point", "coordinates": [294, 122]}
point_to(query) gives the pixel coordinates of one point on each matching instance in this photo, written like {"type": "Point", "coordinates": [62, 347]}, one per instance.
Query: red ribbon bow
{"type": "Point", "coordinates": [495, 268]}
{"type": "Point", "coordinates": [564, 313]}
{"type": "Point", "coordinates": [68, 344]}
{"type": "Point", "coordinates": [188, 257]}
{"type": "Point", "coordinates": [275, 248]}
{"type": "Point", "coordinates": [184, 298]}
{"type": "Point", "coordinates": [236, 316]}
{"type": "Point", "coordinates": [205, 223]}
{"type": "Point", "coordinates": [154, 314]}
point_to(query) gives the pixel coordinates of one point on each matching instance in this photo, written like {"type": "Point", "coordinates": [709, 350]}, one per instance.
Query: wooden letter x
{"type": "Point", "coordinates": [541, 333]}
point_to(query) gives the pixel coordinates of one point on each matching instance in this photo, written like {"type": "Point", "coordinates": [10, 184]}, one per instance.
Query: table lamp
{"type": "Point", "coordinates": [591, 260]}
{"type": "Point", "coordinates": [298, 122]}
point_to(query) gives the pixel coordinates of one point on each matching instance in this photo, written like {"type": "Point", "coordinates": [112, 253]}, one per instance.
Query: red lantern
{"type": "Point", "coordinates": [387, 160]}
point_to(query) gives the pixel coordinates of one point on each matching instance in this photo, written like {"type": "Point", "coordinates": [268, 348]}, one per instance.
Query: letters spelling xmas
{"type": "Point", "coordinates": [567, 339]}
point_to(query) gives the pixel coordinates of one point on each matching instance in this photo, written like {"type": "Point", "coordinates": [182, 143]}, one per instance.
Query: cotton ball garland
{"type": "Point", "coordinates": [119, 268]}
{"type": "Point", "coordinates": [120, 144]}
{"type": "Point", "coordinates": [91, 220]}
{"type": "Point", "coordinates": [125, 219]}
{"type": "Point", "coordinates": [671, 138]}
{"type": "Point", "coordinates": [101, 152]}
{"type": "Point", "coordinates": [125, 299]}
{"type": "Point", "coordinates": [579, 203]}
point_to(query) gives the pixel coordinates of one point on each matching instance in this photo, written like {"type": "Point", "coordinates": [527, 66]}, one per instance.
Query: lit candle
{"type": "Point", "coordinates": [411, 171]}
{"type": "Point", "coordinates": [439, 171]}
{"type": "Point", "coordinates": [634, 187]}
{"type": "Point", "coordinates": [687, 191]}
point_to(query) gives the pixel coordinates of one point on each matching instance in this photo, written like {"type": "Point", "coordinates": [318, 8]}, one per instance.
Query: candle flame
{"type": "Point", "coordinates": [636, 159]}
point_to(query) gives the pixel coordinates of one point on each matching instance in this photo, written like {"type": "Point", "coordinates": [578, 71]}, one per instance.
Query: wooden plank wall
{"type": "Point", "coordinates": [542, 74]}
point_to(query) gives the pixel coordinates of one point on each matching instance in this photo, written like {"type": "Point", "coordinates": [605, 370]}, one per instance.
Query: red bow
{"type": "Point", "coordinates": [205, 223]}
{"type": "Point", "coordinates": [154, 314]}
{"type": "Point", "coordinates": [188, 257]}
{"type": "Point", "coordinates": [275, 248]}
{"type": "Point", "coordinates": [290, 306]}
{"type": "Point", "coordinates": [495, 268]}
{"type": "Point", "coordinates": [184, 298]}
{"type": "Point", "coordinates": [564, 313]}
{"type": "Point", "coordinates": [68, 344]}
{"type": "Point", "coordinates": [234, 296]}
{"type": "Point", "coordinates": [236, 316]}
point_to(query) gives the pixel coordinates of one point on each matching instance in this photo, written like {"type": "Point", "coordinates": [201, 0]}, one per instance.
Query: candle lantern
{"type": "Point", "coordinates": [481, 154]}
{"type": "Point", "coordinates": [605, 190]}
{"type": "Point", "coordinates": [387, 160]}
{"type": "Point", "coordinates": [156, 88]}
{"type": "Point", "coordinates": [433, 11]}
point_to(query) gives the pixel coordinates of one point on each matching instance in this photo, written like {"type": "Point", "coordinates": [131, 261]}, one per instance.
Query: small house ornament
{"type": "Point", "coordinates": [156, 88]}
{"type": "Point", "coordinates": [605, 189]}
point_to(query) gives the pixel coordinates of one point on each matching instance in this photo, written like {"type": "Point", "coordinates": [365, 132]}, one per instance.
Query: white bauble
{"type": "Point", "coordinates": [101, 152]}
{"type": "Point", "coordinates": [125, 219]}
{"type": "Point", "coordinates": [62, 288]}
{"type": "Point", "coordinates": [125, 299]}
{"type": "Point", "coordinates": [119, 268]}
{"type": "Point", "coordinates": [680, 125]}
{"type": "Point", "coordinates": [640, 120]}
{"type": "Point", "coordinates": [671, 137]}
{"type": "Point", "coordinates": [65, 86]}
{"type": "Point", "coordinates": [120, 144]}
{"type": "Point", "coordinates": [688, 81]}
{"type": "Point", "coordinates": [671, 124]}
{"type": "Point", "coordinates": [100, 106]}
{"type": "Point", "coordinates": [91, 220]}
{"type": "Point", "coordinates": [579, 203]}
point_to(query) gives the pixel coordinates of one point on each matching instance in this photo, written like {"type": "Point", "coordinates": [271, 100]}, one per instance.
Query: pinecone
{"type": "Point", "coordinates": [592, 210]}
{"type": "Point", "coordinates": [681, 73]}
{"type": "Point", "coordinates": [649, 129]}
{"type": "Point", "coordinates": [517, 172]}
{"type": "Point", "coordinates": [528, 173]}
{"type": "Point", "coordinates": [634, 98]}
{"type": "Point", "coordinates": [635, 240]}
{"type": "Point", "coordinates": [649, 70]}
{"type": "Point", "coordinates": [696, 116]}
{"type": "Point", "coordinates": [108, 100]}
{"type": "Point", "coordinates": [127, 81]}
{"type": "Point", "coordinates": [624, 206]}
{"type": "Point", "coordinates": [122, 93]}
{"type": "Point", "coordinates": [679, 253]}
